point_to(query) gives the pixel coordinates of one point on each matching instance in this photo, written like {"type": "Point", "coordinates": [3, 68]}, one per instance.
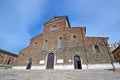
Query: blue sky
{"type": "Point", "coordinates": [20, 20]}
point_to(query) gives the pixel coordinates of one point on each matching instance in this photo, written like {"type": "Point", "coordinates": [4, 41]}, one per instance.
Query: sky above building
{"type": "Point", "coordinates": [21, 20]}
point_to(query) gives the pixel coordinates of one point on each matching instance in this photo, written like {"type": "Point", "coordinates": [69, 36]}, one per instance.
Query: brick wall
{"type": "Point", "coordinates": [7, 58]}
{"type": "Point", "coordinates": [90, 49]}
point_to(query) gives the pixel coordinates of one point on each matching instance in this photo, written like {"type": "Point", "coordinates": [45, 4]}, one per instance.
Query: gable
{"type": "Point", "coordinates": [57, 18]}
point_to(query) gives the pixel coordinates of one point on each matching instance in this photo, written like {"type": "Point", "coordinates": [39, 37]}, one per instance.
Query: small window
{"type": "Point", "coordinates": [35, 43]}
{"type": "Point", "coordinates": [54, 28]}
{"type": "Point", "coordinates": [97, 48]}
{"type": "Point", "coordinates": [74, 37]}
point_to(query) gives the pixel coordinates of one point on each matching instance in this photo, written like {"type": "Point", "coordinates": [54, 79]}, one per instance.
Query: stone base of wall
{"type": "Point", "coordinates": [19, 67]}
{"type": "Point", "coordinates": [84, 66]}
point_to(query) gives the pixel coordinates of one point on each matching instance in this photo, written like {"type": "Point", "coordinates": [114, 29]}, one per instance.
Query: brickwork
{"type": "Point", "coordinates": [7, 58]}
{"type": "Point", "coordinates": [74, 42]}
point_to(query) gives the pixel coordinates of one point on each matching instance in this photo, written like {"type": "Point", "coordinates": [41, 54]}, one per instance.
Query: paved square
{"type": "Point", "coordinates": [9, 74]}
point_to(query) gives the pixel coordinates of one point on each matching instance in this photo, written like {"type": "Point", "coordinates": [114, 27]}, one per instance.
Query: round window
{"type": "Point", "coordinates": [35, 43]}
{"type": "Point", "coordinates": [54, 28]}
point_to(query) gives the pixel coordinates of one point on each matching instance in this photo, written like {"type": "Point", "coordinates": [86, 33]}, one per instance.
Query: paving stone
{"type": "Point", "coordinates": [9, 74]}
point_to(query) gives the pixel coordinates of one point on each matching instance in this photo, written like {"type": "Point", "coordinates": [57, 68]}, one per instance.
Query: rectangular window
{"type": "Point", "coordinates": [60, 42]}
{"type": "Point", "coordinates": [45, 45]}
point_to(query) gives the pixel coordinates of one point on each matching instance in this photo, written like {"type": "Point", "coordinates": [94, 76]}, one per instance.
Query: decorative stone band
{"type": "Point", "coordinates": [84, 66]}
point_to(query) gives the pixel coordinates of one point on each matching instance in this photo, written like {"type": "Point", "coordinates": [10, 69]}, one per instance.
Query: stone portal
{"type": "Point", "coordinates": [50, 61]}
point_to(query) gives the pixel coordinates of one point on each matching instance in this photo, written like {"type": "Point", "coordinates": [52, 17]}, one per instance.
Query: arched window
{"type": "Point", "coordinates": [97, 49]}
{"type": "Point", "coordinates": [60, 42]}
{"type": "Point", "coordinates": [74, 37]}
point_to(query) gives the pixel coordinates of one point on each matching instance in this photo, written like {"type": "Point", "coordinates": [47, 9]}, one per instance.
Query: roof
{"type": "Point", "coordinates": [55, 18]}
{"type": "Point", "coordinates": [116, 49]}
{"type": "Point", "coordinates": [36, 36]}
{"type": "Point", "coordinates": [7, 52]}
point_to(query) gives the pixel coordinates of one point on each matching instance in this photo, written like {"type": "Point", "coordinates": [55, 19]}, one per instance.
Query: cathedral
{"type": "Point", "coordinates": [62, 46]}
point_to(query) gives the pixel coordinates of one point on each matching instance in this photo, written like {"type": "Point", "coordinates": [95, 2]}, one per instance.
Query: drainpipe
{"type": "Point", "coordinates": [112, 62]}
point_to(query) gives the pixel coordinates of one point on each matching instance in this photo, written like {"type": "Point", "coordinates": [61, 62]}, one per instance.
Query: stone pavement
{"type": "Point", "coordinates": [10, 74]}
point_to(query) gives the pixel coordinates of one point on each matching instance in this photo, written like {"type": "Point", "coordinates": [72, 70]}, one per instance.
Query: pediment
{"type": "Point", "coordinates": [56, 18]}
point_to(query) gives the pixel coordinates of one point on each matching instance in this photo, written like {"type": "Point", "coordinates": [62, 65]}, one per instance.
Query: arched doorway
{"type": "Point", "coordinates": [77, 62]}
{"type": "Point", "coordinates": [29, 64]}
{"type": "Point", "coordinates": [9, 61]}
{"type": "Point", "coordinates": [50, 61]}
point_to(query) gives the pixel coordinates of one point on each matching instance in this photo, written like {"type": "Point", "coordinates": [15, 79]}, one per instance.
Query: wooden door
{"type": "Point", "coordinates": [50, 61]}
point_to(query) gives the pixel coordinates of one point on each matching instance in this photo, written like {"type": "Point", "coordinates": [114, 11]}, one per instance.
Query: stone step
{"type": "Point", "coordinates": [3, 66]}
{"type": "Point", "coordinates": [10, 74]}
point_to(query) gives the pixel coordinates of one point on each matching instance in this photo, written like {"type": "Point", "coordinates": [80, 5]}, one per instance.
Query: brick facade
{"type": "Point", "coordinates": [7, 58]}
{"type": "Point", "coordinates": [91, 50]}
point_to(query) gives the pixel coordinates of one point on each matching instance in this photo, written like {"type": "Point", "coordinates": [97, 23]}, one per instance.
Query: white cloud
{"type": "Point", "coordinates": [16, 18]}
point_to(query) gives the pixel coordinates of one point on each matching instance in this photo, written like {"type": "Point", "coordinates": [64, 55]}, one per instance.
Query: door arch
{"type": "Point", "coordinates": [50, 61]}
{"type": "Point", "coordinates": [29, 65]}
{"type": "Point", "coordinates": [77, 62]}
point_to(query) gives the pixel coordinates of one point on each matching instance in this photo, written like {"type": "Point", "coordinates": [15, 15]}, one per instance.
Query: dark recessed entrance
{"type": "Point", "coordinates": [29, 64]}
{"type": "Point", "coordinates": [77, 62]}
{"type": "Point", "coordinates": [9, 61]}
{"type": "Point", "coordinates": [50, 61]}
